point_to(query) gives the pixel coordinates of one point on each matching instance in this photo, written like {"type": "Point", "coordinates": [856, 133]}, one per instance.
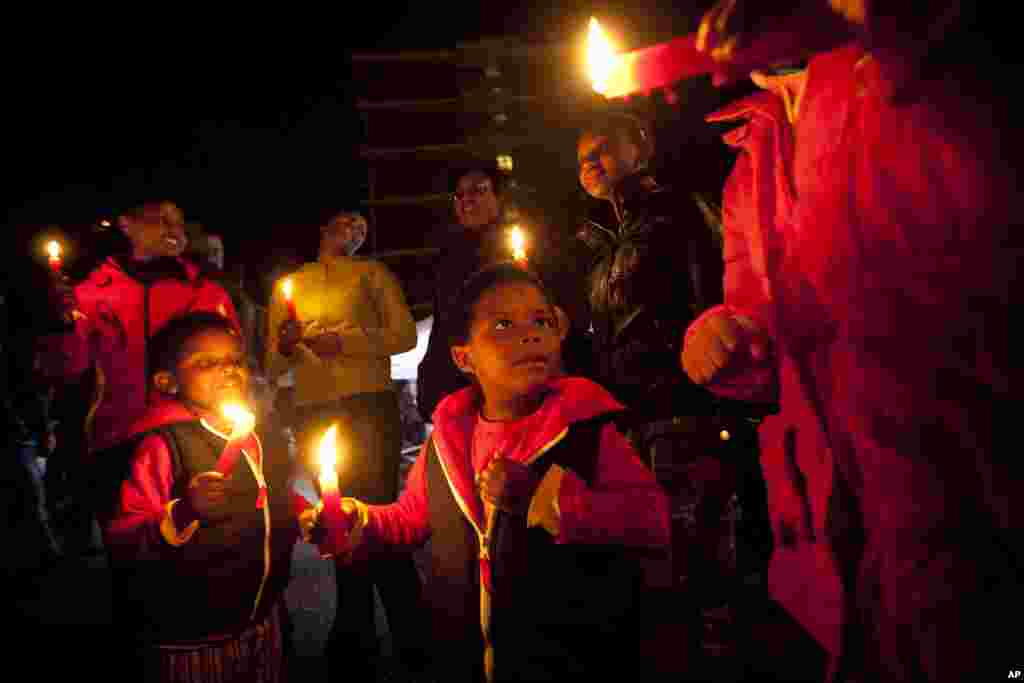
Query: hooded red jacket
{"type": "Point", "coordinates": [118, 315]}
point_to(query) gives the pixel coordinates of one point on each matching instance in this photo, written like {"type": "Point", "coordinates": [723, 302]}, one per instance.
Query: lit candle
{"type": "Point", "coordinates": [286, 289]}
{"type": "Point", "coordinates": [332, 519]}
{"type": "Point", "coordinates": [659, 66]}
{"type": "Point", "coordinates": [53, 250]}
{"type": "Point", "coordinates": [602, 60]}
{"type": "Point", "coordinates": [242, 424]}
{"type": "Point", "coordinates": [517, 243]}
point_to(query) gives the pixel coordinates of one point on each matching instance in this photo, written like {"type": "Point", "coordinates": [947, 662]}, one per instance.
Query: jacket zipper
{"type": "Point", "coordinates": [261, 482]}
{"type": "Point", "coordinates": [484, 539]}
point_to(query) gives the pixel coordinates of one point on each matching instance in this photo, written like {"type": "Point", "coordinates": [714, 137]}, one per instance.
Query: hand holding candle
{"type": "Point", "coordinates": [243, 422]}
{"type": "Point", "coordinates": [62, 294]}
{"type": "Point", "coordinates": [334, 521]}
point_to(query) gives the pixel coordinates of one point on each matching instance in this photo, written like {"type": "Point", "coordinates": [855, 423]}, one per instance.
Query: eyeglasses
{"type": "Point", "coordinates": [478, 190]}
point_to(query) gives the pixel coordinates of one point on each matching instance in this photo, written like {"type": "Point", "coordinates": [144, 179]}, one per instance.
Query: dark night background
{"type": "Point", "coordinates": [251, 126]}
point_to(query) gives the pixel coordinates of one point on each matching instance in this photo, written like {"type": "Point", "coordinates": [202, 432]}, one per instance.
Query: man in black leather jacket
{"type": "Point", "coordinates": [650, 276]}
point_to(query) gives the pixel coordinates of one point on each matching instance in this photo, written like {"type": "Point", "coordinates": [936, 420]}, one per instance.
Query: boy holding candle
{"type": "Point", "coordinates": [202, 530]}
{"type": "Point", "coordinates": [530, 497]}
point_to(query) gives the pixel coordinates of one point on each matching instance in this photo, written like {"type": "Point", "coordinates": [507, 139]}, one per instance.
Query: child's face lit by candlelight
{"type": "Point", "coordinates": [211, 371]}
{"type": "Point", "coordinates": [514, 345]}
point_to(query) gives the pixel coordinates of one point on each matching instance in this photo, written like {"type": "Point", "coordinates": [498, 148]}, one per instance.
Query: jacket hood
{"type": "Point", "coordinates": [163, 412]}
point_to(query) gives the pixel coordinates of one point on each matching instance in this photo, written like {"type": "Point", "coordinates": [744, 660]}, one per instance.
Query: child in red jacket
{"type": "Point", "coordinates": [530, 497]}
{"type": "Point", "coordinates": [200, 559]}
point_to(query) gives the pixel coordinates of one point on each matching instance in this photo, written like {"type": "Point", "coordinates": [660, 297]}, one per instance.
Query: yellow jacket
{"type": "Point", "coordinates": [362, 301]}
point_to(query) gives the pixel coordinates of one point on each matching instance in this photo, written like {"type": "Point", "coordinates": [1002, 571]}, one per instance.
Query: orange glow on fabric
{"type": "Point", "coordinates": [288, 290]}
{"type": "Point", "coordinates": [243, 422]}
{"type": "Point", "coordinates": [333, 519]}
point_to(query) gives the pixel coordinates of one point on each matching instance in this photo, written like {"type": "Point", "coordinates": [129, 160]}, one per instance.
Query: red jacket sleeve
{"type": "Point", "coordinates": [406, 521]}
{"type": "Point", "coordinates": [133, 532]}
{"type": "Point", "coordinates": [63, 357]}
{"type": "Point", "coordinates": [625, 506]}
{"type": "Point", "coordinates": [215, 299]}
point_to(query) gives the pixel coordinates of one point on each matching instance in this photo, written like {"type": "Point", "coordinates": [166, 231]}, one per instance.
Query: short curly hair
{"type": "Point", "coordinates": [635, 130]}
{"type": "Point", "coordinates": [166, 345]}
{"type": "Point", "coordinates": [478, 284]}
{"type": "Point", "coordinates": [499, 179]}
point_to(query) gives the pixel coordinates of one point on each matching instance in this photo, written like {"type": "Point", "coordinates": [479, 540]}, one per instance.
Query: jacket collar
{"type": "Point", "coordinates": [762, 105]}
{"type": "Point", "coordinates": [569, 399]}
{"type": "Point", "coordinates": [634, 188]}
{"type": "Point", "coordinates": [148, 272]}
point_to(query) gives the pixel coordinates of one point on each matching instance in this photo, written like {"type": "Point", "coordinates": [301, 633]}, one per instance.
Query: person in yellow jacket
{"type": "Point", "coordinates": [351, 316]}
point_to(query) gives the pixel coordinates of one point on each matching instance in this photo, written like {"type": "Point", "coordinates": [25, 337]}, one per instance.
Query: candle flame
{"type": "Point", "coordinates": [601, 57]}
{"type": "Point", "coordinates": [53, 249]}
{"type": "Point", "coordinates": [329, 449]}
{"type": "Point", "coordinates": [286, 289]}
{"type": "Point", "coordinates": [517, 241]}
{"type": "Point", "coordinates": [242, 420]}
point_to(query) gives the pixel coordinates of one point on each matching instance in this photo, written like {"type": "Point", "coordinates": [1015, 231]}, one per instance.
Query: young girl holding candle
{"type": "Point", "coordinates": [530, 497]}
{"type": "Point", "coordinates": [201, 533]}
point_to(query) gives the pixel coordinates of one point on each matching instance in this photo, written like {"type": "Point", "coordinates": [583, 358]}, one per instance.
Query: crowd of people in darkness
{"type": "Point", "coordinates": [791, 410]}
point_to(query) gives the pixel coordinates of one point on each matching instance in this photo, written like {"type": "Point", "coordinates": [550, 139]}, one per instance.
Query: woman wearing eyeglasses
{"type": "Point", "coordinates": [481, 238]}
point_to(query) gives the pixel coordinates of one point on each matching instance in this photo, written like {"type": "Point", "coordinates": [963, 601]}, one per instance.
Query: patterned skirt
{"type": "Point", "coordinates": [254, 656]}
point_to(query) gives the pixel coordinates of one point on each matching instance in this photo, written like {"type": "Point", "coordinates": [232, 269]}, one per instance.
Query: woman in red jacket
{"type": "Point", "coordinates": [118, 309]}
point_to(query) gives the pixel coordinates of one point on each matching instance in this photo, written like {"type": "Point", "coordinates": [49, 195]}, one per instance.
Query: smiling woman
{"type": "Point", "coordinates": [155, 229]}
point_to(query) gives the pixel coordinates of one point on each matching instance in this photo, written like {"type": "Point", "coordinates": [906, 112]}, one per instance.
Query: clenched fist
{"type": "Point", "coordinates": [719, 343]}
{"type": "Point", "coordinates": [508, 485]}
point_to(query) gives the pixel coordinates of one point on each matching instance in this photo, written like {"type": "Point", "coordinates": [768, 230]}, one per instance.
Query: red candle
{"type": "Point", "coordinates": [659, 66]}
{"type": "Point", "coordinates": [334, 521]}
{"type": "Point", "coordinates": [53, 250]}
{"type": "Point", "coordinates": [243, 423]}
{"type": "Point", "coordinates": [286, 289]}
